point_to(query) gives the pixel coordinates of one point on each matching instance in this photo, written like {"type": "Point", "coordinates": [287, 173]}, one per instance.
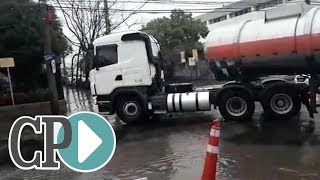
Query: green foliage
{"type": "Point", "coordinates": [39, 95]}
{"type": "Point", "coordinates": [21, 37]}
{"type": "Point", "coordinates": [179, 32]}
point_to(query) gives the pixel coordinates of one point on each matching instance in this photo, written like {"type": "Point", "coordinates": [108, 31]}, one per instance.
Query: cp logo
{"type": "Point", "coordinates": [85, 142]}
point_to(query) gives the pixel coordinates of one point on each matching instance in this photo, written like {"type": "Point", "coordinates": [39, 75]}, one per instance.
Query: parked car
{"type": "Point", "coordinates": [4, 85]}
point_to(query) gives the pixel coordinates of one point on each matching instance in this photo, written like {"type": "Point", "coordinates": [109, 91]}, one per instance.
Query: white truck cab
{"type": "Point", "coordinates": [122, 61]}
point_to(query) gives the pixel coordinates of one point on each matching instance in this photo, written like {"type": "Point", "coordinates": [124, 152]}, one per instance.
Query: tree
{"type": "Point", "coordinates": [89, 19]}
{"type": "Point", "coordinates": [22, 38]}
{"type": "Point", "coordinates": [177, 33]}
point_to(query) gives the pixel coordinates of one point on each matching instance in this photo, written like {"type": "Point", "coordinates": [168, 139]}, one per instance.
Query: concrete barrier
{"type": "Point", "coordinates": [11, 113]}
{"type": "Point", "coordinates": [8, 114]}
{"type": "Point", "coordinates": [29, 143]}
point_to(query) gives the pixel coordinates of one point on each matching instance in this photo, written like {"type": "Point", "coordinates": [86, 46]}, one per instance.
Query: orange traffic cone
{"type": "Point", "coordinates": [210, 165]}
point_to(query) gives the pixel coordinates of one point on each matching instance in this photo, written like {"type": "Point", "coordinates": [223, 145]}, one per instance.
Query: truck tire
{"type": "Point", "coordinates": [281, 101]}
{"type": "Point", "coordinates": [236, 105]}
{"type": "Point", "coordinates": [130, 109]}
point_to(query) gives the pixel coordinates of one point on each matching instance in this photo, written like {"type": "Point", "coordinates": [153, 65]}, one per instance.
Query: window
{"type": "Point", "coordinates": [211, 21]}
{"type": "Point", "coordinates": [241, 12]}
{"type": "Point", "coordinates": [268, 4]}
{"type": "Point", "coordinates": [107, 55]}
{"type": "Point", "coordinates": [222, 18]}
{"type": "Point", "coordinates": [276, 2]}
{"type": "Point", "coordinates": [247, 10]}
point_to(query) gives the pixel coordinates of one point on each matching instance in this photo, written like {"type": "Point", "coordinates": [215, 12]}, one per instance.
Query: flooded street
{"type": "Point", "coordinates": [174, 146]}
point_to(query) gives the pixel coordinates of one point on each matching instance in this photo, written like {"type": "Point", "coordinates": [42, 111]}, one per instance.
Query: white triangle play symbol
{"type": "Point", "coordinates": [88, 141]}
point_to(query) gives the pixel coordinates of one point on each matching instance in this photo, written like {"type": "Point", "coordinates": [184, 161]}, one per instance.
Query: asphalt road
{"type": "Point", "coordinates": [174, 146]}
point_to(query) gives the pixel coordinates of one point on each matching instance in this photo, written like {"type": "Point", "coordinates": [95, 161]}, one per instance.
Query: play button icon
{"type": "Point", "coordinates": [88, 141]}
{"type": "Point", "coordinates": [93, 142]}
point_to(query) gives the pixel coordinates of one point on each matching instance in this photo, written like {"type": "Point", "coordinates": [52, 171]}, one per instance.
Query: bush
{"type": "Point", "coordinates": [39, 95]}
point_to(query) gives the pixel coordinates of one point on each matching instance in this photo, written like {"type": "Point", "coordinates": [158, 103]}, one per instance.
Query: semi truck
{"type": "Point", "coordinates": [127, 78]}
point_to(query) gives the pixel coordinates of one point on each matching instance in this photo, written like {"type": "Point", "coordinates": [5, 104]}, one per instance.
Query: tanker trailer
{"type": "Point", "coordinates": [285, 42]}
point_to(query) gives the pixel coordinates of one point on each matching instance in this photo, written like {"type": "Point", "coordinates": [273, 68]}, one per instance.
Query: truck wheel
{"type": "Point", "coordinates": [282, 102]}
{"type": "Point", "coordinates": [130, 109]}
{"type": "Point", "coordinates": [236, 105]}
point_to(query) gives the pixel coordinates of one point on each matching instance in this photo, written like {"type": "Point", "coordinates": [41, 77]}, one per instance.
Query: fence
{"type": "Point", "coordinates": [177, 71]}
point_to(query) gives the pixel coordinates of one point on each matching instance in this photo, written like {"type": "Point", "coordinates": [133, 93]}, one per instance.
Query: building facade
{"type": "Point", "coordinates": [238, 11]}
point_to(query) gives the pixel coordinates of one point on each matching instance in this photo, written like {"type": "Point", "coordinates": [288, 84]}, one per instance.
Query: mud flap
{"type": "Point", "coordinates": [314, 85]}
{"type": "Point", "coordinates": [305, 101]}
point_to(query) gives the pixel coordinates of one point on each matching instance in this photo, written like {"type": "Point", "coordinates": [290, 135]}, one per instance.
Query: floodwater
{"type": "Point", "coordinates": [174, 146]}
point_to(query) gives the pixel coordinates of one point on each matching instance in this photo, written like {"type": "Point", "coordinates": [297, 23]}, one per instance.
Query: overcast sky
{"type": "Point", "coordinates": [143, 18]}
{"type": "Point", "coordinates": [170, 5]}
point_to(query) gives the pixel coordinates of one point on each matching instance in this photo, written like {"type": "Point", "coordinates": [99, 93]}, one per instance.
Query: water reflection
{"type": "Point", "coordinates": [78, 100]}
{"type": "Point", "coordinates": [149, 156]}
{"type": "Point", "coordinates": [166, 148]}
{"type": "Point", "coordinates": [295, 131]}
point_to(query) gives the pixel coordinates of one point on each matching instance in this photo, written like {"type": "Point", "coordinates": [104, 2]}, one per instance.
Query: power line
{"type": "Point", "coordinates": [117, 9]}
{"type": "Point", "coordinates": [240, 4]}
{"type": "Point", "coordinates": [154, 11]}
{"type": "Point", "coordinates": [223, 3]}
{"type": "Point", "coordinates": [153, 1]}
{"type": "Point", "coordinates": [151, 11]}
{"type": "Point", "coordinates": [219, 10]}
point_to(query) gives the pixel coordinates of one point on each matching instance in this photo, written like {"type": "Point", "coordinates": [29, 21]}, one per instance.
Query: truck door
{"type": "Point", "coordinates": [135, 66]}
{"type": "Point", "coordinates": [108, 75]}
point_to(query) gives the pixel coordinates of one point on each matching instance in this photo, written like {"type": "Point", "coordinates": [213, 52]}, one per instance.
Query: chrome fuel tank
{"type": "Point", "coordinates": [194, 101]}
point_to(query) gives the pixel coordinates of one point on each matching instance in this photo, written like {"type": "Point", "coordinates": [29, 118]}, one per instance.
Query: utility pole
{"type": "Point", "coordinates": [58, 77]}
{"type": "Point", "coordinates": [106, 17]}
{"type": "Point", "coordinates": [50, 66]}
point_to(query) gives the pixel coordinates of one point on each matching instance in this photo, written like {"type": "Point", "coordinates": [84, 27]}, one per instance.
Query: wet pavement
{"type": "Point", "coordinates": [174, 146]}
